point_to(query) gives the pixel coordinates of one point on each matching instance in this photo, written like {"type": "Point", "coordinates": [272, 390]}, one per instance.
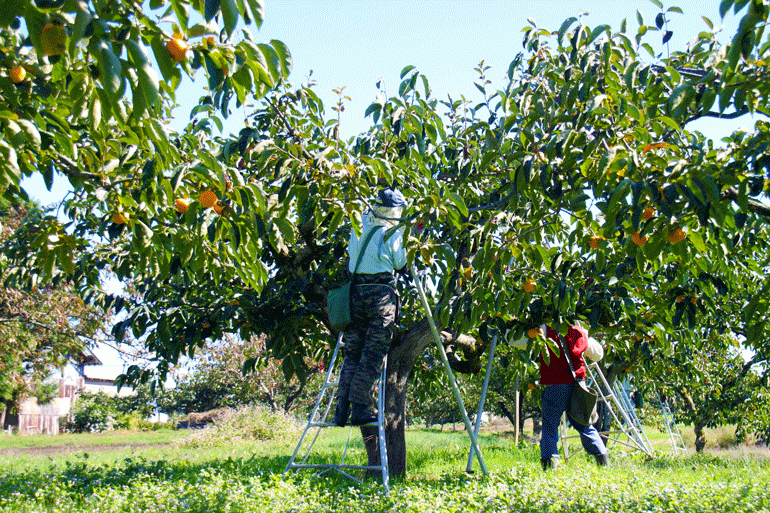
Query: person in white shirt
{"type": "Point", "coordinates": [374, 308]}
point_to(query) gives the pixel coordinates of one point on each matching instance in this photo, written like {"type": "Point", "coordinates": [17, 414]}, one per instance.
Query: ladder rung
{"type": "Point", "coordinates": [334, 465]}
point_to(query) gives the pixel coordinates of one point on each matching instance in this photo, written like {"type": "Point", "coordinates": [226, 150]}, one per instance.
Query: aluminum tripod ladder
{"type": "Point", "coordinates": [674, 435]}
{"type": "Point", "coordinates": [623, 412]}
{"type": "Point", "coordinates": [318, 421]}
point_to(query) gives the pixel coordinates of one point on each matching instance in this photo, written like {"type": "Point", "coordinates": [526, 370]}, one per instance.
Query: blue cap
{"type": "Point", "coordinates": [391, 198]}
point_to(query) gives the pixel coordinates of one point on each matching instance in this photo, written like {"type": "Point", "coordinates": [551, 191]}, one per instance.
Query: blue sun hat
{"type": "Point", "coordinates": [387, 208]}
{"type": "Point", "coordinates": [391, 198]}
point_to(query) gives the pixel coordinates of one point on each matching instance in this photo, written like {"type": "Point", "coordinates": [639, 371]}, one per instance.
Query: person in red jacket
{"type": "Point", "coordinates": [558, 381]}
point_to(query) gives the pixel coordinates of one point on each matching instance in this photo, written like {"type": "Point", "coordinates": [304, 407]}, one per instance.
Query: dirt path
{"type": "Point", "coordinates": [65, 449]}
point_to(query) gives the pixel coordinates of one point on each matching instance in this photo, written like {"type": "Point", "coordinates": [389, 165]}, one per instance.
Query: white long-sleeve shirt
{"type": "Point", "coordinates": [383, 254]}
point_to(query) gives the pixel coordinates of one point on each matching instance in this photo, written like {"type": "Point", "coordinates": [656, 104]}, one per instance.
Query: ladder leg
{"type": "Point", "coordinates": [327, 383]}
{"type": "Point", "coordinates": [317, 421]}
{"type": "Point", "coordinates": [482, 399]}
{"type": "Point", "coordinates": [381, 427]}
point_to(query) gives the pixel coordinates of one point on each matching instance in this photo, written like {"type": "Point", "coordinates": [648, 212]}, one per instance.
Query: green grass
{"type": "Point", "coordinates": [109, 438]}
{"type": "Point", "coordinates": [247, 477]}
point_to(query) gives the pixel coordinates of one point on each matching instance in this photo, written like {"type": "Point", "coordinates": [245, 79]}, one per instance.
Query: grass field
{"type": "Point", "coordinates": [133, 472]}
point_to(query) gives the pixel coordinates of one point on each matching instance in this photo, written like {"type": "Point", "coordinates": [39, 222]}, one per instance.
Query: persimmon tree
{"type": "Point", "coordinates": [579, 175]}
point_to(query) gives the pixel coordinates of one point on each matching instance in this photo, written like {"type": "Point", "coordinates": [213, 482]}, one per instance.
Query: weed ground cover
{"type": "Point", "coordinates": [247, 477]}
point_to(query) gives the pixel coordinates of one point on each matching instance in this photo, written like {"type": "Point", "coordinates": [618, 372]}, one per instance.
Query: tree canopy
{"type": "Point", "coordinates": [578, 177]}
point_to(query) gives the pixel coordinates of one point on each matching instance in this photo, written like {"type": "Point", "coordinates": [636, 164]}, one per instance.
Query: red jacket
{"type": "Point", "coordinates": [557, 372]}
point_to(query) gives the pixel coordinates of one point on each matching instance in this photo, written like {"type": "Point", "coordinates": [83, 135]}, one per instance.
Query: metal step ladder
{"type": "Point", "coordinates": [674, 435]}
{"type": "Point", "coordinates": [317, 421]}
{"type": "Point", "coordinates": [622, 409]}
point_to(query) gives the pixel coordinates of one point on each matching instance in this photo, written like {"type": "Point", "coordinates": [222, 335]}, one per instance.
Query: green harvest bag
{"type": "Point", "coordinates": [582, 404]}
{"type": "Point", "coordinates": [338, 300]}
{"type": "Point", "coordinates": [582, 401]}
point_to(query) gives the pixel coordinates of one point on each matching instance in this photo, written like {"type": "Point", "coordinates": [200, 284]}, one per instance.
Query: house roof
{"type": "Point", "coordinates": [86, 357]}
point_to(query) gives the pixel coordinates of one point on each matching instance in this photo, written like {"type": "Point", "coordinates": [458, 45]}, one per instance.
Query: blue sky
{"type": "Point", "coordinates": [355, 43]}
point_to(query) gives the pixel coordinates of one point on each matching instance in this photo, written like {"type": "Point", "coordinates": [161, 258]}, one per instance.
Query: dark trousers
{"type": "Point", "coordinates": [554, 404]}
{"type": "Point", "coordinates": [373, 311]}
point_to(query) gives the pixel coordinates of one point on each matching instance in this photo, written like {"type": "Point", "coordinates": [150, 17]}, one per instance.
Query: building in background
{"type": "Point", "coordinates": [83, 373]}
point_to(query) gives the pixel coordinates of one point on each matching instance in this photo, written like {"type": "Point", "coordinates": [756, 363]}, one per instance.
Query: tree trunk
{"type": "Point", "coordinates": [507, 413]}
{"type": "Point", "coordinates": [537, 426]}
{"type": "Point", "coordinates": [401, 359]}
{"type": "Point", "coordinates": [700, 436]}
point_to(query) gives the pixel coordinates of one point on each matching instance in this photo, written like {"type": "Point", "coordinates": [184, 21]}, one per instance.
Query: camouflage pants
{"type": "Point", "coordinates": [367, 340]}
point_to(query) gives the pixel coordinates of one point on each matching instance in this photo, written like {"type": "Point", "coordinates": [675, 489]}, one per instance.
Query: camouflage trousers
{"type": "Point", "coordinates": [367, 340]}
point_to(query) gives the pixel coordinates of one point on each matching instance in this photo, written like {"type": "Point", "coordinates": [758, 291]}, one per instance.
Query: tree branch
{"type": "Point", "coordinates": [755, 206]}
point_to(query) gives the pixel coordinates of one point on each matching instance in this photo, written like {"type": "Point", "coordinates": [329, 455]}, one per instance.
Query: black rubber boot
{"type": "Point", "coordinates": [602, 460]}
{"type": "Point", "coordinates": [361, 415]}
{"type": "Point", "coordinates": [548, 464]}
{"type": "Point", "coordinates": [342, 412]}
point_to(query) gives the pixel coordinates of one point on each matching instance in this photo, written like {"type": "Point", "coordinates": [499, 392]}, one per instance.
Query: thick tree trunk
{"type": "Point", "coordinates": [401, 360]}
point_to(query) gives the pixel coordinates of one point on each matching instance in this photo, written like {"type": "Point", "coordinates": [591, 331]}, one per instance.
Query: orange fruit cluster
{"type": "Point", "coordinates": [53, 39]}
{"type": "Point", "coordinates": [533, 332]}
{"type": "Point", "coordinates": [120, 217]}
{"type": "Point", "coordinates": [529, 286]}
{"type": "Point", "coordinates": [676, 236]}
{"type": "Point", "coordinates": [208, 198]}
{"type": "Point", "coordinates": [648, 213]}
{"type": "Point", "coordinates": [17, 74]}
{"type": "Point", "coordinates": [177, 48]}
{"type": "Point", "coordinates": [182, 204]}
{"type": "Point", "coordinates": [637, 239]}
{"type": "Point", "coordinates": [594, 242]}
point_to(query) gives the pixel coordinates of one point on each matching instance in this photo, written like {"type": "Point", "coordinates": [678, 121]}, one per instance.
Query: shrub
{"type": "Point", "coordinates": [93, 413]}
{"type": "Point", "coordinates": [249, 423]}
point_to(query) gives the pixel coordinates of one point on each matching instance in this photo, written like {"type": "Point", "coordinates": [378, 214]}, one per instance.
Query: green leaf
{"type": "Point", "coordinates": [48, 172]}
{"type": "Point", "coordinates": [110, 70]}
{"type": "Point", "coordinates": [284, 56]}
{"type": "Point", "coordinates": [597, 32]}
{"type": "Point", "coordinates": [679, 95]}
{"type": "Point", "coordinates": [697, 240]}
{"type": "Point", "coordinates": [211, 9]}
{"type": "Point", "coordinates": [35, 21]}
{"type": "Point", "coordinates": [148, 77]}
{"type": "Point", "coordinates": [31, 133]}
{"type": "Point", "coordinates": [82, 19]}
{"type": "Point", "coordinates": [673, 125]}
{"type": "Point", "coordinates": [406, 70]}
{"type": "Point", "coordinates": [286, 229]}
{"type": "Point", "coordinates": [216, 75]}
{"type": "Point", "coordinates": [182, 12]}
{"type": "Point", "coordinates": [564, 27]}
{"type": "Point", "coordinates": [257, 8]}
{"type": "Point", "coordinates": [229, 15]}
{"type": "Point", "coordinates": [724, 6]}
{"type": "Point", "coordinates": [459, 203]}
{"type": "Point", "coordinates": [272, 61]}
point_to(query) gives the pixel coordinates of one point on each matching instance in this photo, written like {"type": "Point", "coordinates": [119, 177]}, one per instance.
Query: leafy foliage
{"type": "Point", "coordinates": [248, 423]}
{"type": "Point", "coordinates": [216, 380]}
{"type": "Point", "coordinates": [40, 329]}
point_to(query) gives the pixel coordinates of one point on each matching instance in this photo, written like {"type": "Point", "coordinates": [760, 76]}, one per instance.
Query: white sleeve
{"type": "Point", "coordinates": [594, 351]}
